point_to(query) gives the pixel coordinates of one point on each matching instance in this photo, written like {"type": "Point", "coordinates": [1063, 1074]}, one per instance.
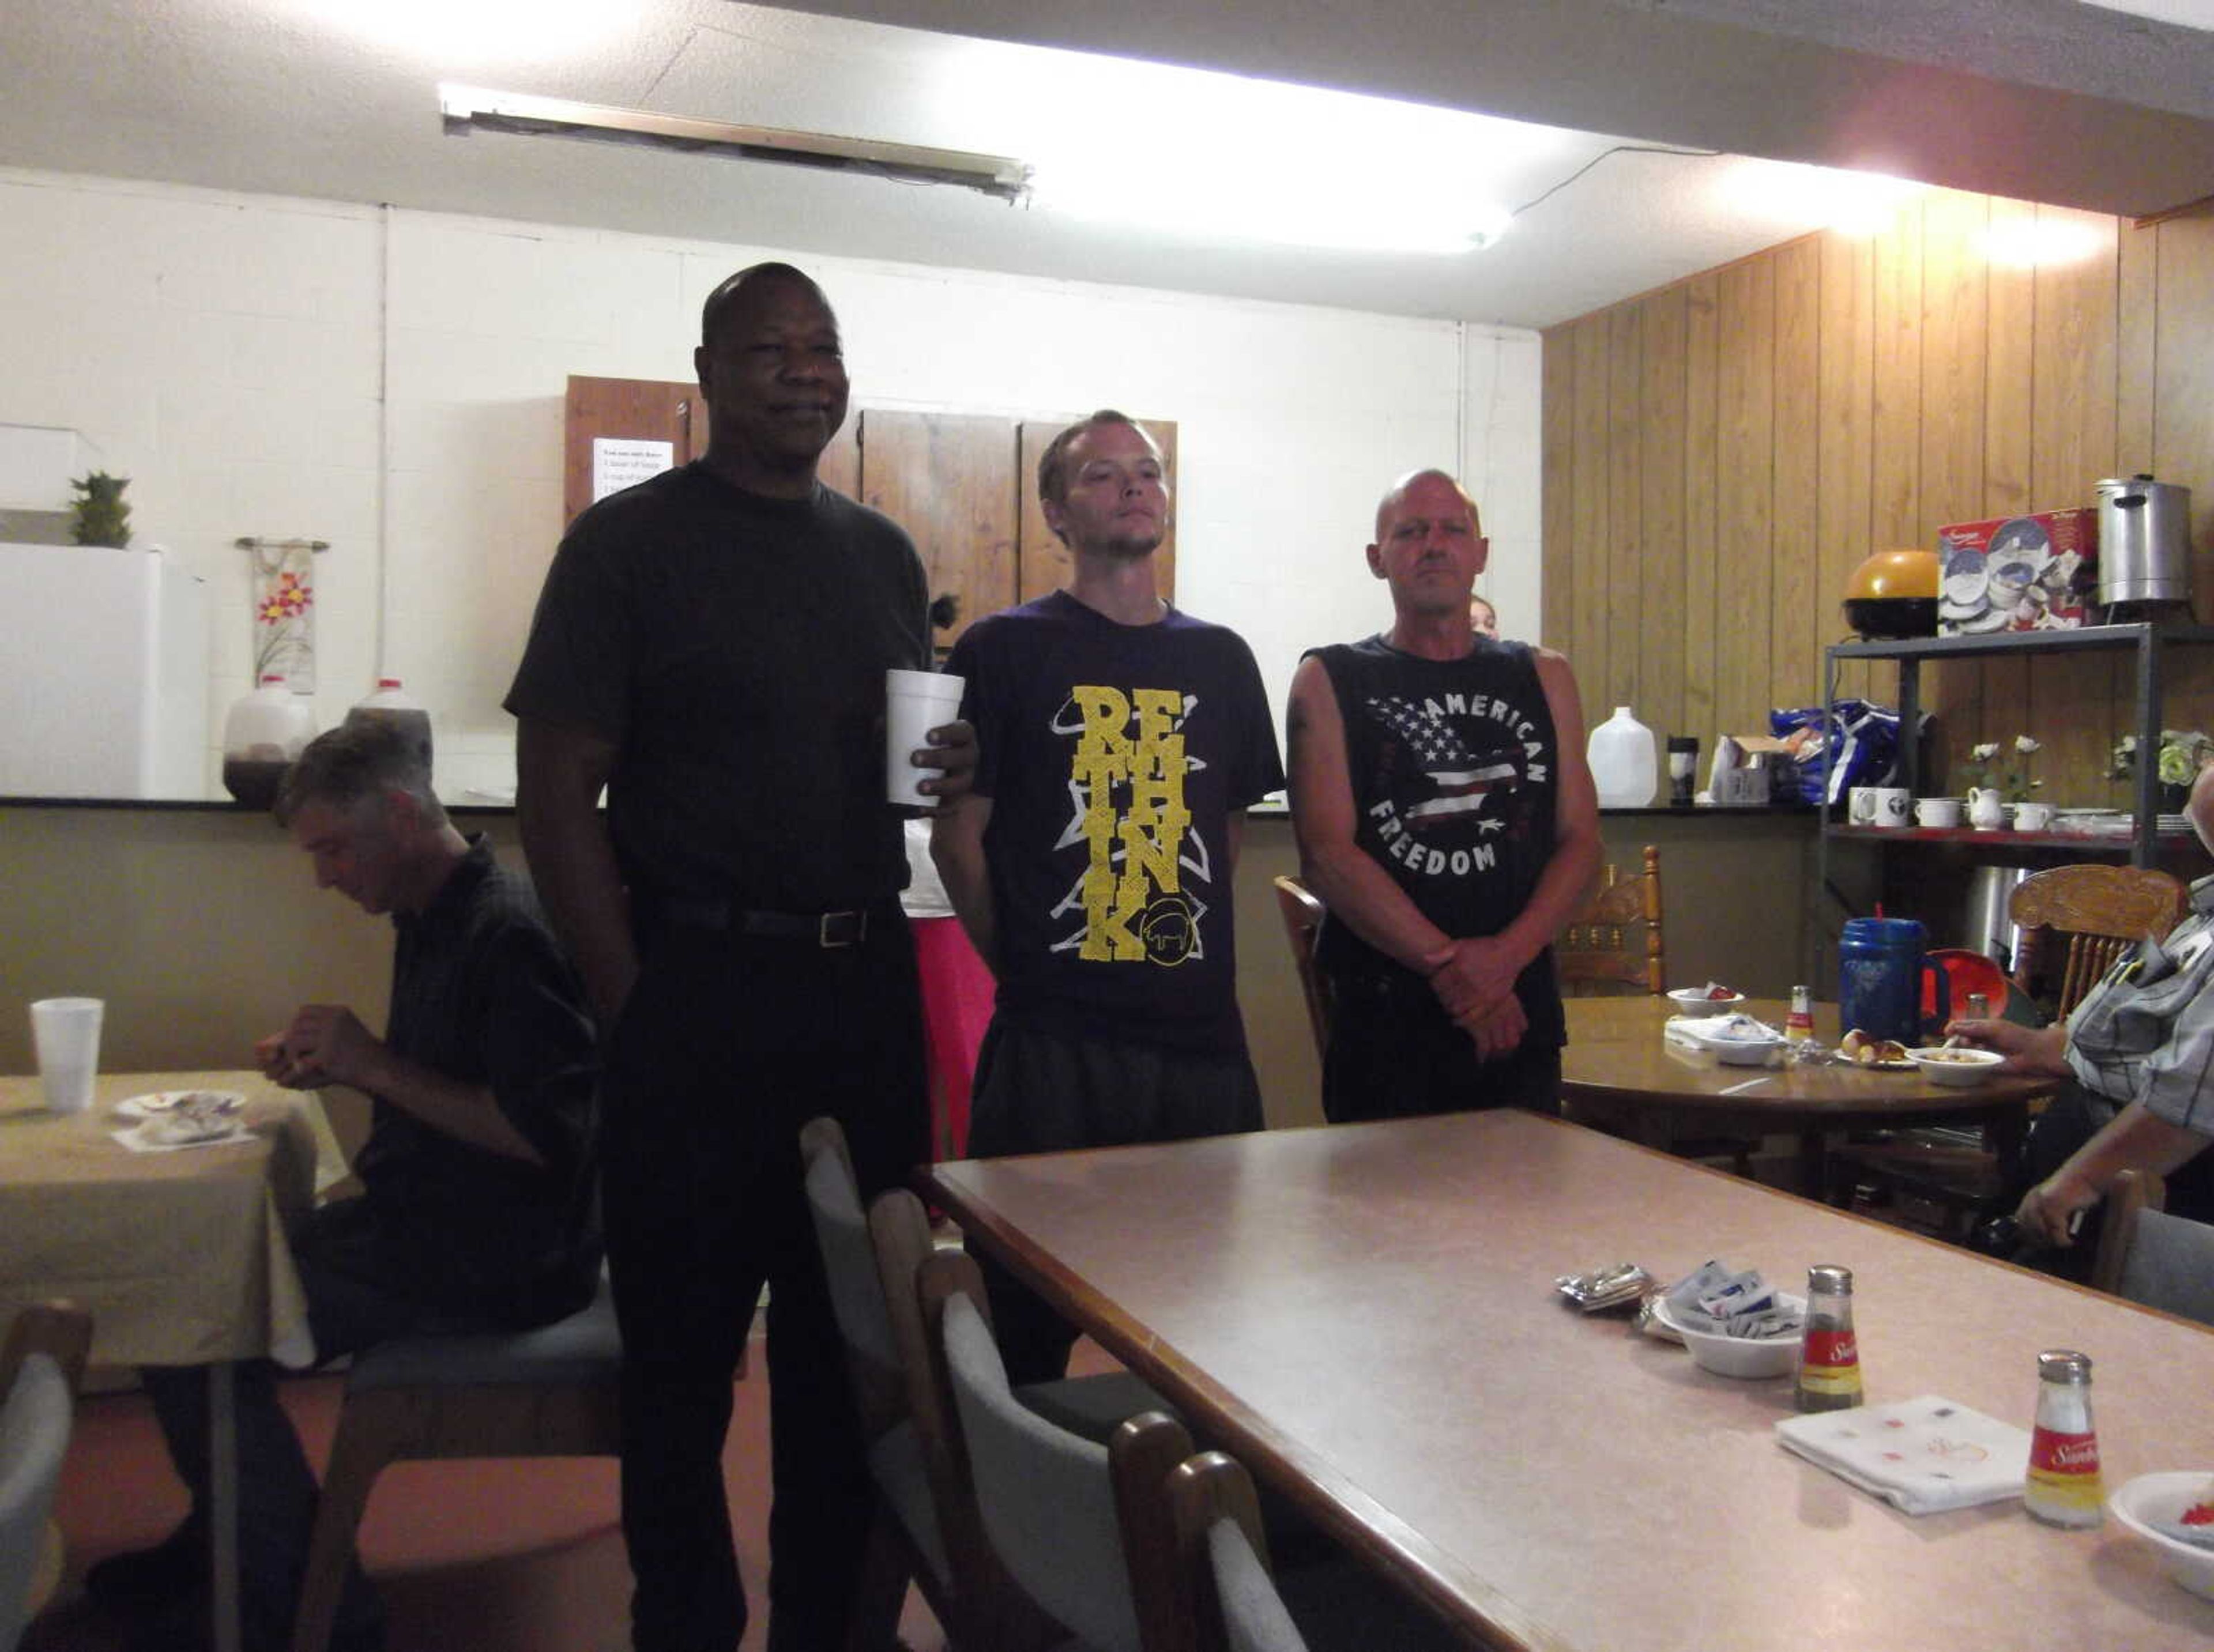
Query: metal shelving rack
{"type": "Point", "coordinates": [2149, 639]}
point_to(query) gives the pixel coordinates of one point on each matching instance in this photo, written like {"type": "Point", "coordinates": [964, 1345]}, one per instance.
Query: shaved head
{"type": "Point", "coordinates": [1390, 502]}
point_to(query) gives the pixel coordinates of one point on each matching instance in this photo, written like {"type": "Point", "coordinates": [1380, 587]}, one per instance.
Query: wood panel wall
{"type": "Point", "coordinates": [1719, 455]}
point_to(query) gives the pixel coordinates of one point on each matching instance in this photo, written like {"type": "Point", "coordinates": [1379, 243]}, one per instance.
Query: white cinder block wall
{"type": "Point", "coordinates": [393, 382]}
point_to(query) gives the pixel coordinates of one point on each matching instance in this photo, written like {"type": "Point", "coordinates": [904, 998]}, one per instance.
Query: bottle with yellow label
{"type": "Point", "coordinates": [2064, 1488]}
{"type": "Point", "coordinates": [1799, 1025]}
{"type": "Point", "coordinates": [1830, 1355]}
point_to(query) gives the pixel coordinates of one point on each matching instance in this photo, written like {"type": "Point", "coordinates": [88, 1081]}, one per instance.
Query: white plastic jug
{"type": "Point", "coordinates": [263, 733]}
{"type": "Point", "coordinates": [1624, 765]}
{"type": "Point", "coordinates": [391, 704]}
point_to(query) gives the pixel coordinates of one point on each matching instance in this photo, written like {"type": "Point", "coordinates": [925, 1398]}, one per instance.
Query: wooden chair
{"type": "Point", "coordinates": [2092, 914]}
{"type": "Point", "coordinates": [1303, 914]}
{"type": "Point", "coordinates": [906, 1542]}
{"type": "Point", "coordinates": [1077, 1525]}
{"type": "Point", "coordinates": [547, 1392]}
{"type": "Point", "coordinates": [990, 1609]}
{"type": "Point", "coordinates": [2148, 1256]}
{"type": "Point", "coordinates": [1615, 939]}
{"type": "Point", "coordinates": [42, 1365]}
{"type": "Point", "coordinates": [2133, 1192]}
{"type": "Point", "coordinates": [1226, 1599]}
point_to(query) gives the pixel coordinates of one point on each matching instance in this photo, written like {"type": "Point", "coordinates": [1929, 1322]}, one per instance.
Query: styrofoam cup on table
{"type": "Point", "coordinates": [916, 702]}
{"type": "Point", "coordinates": [66, 1032]}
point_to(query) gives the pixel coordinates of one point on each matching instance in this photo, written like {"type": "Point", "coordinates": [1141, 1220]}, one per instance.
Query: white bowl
{"type": "Point", "coordinates": [2137, 1504]}
{"type": "Point", "coordinates": [1738, 1357]}
{"type": "Point", "coordinates": [1693, 1001]}
{"type": "Point", "coordinates": [1961, 1067]}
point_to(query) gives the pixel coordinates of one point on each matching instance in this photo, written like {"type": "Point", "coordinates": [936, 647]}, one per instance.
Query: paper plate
{"type": "Point", "coordinates": [155, 1103]}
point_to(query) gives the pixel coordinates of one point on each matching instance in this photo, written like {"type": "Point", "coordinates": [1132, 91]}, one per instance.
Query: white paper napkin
{"type": "Point", "coordinates": [139, 1139]}
{"type": "Point", "coordinates": [1921, 1456]}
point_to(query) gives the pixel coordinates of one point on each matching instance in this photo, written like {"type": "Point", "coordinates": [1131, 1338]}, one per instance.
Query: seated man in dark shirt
{"type": "Point", "coordinates": [476, 1211]}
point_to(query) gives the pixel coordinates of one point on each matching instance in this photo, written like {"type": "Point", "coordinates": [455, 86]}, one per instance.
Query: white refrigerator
{"type": "Point", "coordinates": [103, 673]}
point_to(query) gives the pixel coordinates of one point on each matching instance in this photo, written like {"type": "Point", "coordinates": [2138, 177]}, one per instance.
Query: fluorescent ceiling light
{"type": "Point", "coordinates": [1216, 157]}
{"type": "Point", "coordinates": [469, 108]}
{"type": "Point", "coordinates": [1819, 198]}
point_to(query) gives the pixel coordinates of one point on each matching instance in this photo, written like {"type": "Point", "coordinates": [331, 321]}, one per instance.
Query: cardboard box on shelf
{"type": "Point", "coordinates": [2033, 572]}
{"type": "Point", "coordinates": [1744, 768]}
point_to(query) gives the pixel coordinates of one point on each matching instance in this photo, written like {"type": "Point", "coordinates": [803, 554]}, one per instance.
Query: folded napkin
{"type": "Point", "coordinates": [1704, 1032]}
{"type": "Point", "coordinates": [1921, 1456]}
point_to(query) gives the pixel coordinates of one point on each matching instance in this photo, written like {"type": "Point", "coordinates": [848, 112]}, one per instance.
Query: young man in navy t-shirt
{"type": "Point", "coordinates": [1119, 743]}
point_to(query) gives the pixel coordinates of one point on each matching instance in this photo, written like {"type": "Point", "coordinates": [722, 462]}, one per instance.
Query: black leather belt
{"type": "Point", "coordinates": [840, 928]}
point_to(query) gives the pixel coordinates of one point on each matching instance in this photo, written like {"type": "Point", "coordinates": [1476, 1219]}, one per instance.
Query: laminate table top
{"type": "Point", "coordinates": [1365, 1315]}
{"type": "Point", "coordinates": [1616, 1053]}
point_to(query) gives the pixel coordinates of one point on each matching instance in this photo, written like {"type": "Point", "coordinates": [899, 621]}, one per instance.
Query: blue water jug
{"type": "Point", "coordinates": [1880, 974]}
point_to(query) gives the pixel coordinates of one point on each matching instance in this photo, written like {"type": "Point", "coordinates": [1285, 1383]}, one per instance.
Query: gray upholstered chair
{"type": "Point", "coordinates": [1226, 1596]}
{"type": "Point", "coordinates": [547, 1392]}
{"type": "Point", "coordinates": [1078, 1527]}
{"type": "Point", "coordinates": [40, 1365]}
{"type": "Point", "coordinates": [906, 1542]}
{"type": "Point", "coordinates": [931, 1532]}
{"type": "Point", "coordinates": [2165, 1261]}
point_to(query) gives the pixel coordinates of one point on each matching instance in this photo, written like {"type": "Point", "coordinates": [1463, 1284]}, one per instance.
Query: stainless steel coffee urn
{"type": "Point", "coordinates": [2144, 540]}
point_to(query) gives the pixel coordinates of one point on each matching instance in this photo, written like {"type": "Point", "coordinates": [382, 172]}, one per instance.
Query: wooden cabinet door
{"type": "Point", "coordinates": [948, 480]}
{"type": "Point", "coordinates": [1044, 564]}
{"type": "Point", "coordinates": [635, 410]}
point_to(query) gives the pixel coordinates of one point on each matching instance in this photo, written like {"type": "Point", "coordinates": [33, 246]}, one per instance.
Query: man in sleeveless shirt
{"type": "Point", "coordinates": [1120, 741]}
{"type": "Point", "coordinates": [1446, 817]}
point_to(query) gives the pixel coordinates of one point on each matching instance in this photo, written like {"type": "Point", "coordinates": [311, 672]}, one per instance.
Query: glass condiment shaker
{"type": "Point", "coordinates": [1828, 1355]}
{"type": "Point", "coordinates": [2064, 1488]}
{"type": "Point", "coordinates": [1799, 1025]}
{"type": "Point", "coordinates": [1979, 1007]}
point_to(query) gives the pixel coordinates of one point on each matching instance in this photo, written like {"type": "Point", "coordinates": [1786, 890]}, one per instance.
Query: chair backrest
{"type": "Point", "coordinates": [1068, 1517]}
{"type": "Point", "coordinates": [2102, 910]}
{"type": "Point", "coordinates": [1615, 940]}
{"type": "Point", "coordinates": [40, 1365]}
{"type": "Point", "coordinates": [2131, 1192]}
{"type": "Point", "coordinates": [1225, 1591]}
{"type": "Point", "coordinates": [1303, 915]}
{"type": "Point", "coordinates": [992, 1611]}
{"type": "Point", "coordinates": [849, 1262]}
{"type": "Point", "coordinates": [2169, 1264]}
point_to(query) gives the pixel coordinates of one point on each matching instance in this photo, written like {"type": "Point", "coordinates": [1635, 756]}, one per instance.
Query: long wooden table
{"type": "Point", "coordinates": [1366, 1313]}
{"type": "Point", "coordinates": [1619, 1070]}
{"type": "Point", "coordinates": [180, 1256]}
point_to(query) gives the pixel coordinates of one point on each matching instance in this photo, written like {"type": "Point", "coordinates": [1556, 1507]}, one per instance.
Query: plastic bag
{"type": "Point", "coordinates": [1863, 740]}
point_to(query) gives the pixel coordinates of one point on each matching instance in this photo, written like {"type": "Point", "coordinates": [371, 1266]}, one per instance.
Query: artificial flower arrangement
{"type": "Point", "coordinates": [2182, 752]}
{"type": "Point", "coordinates": [2018, 782]}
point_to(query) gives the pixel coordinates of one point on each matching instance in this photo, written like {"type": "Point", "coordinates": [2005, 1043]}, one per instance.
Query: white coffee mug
{"type": "Point", "coordinates": [1940, 811]}
{"type": "Point", "coordinates": [2033, 817]}
{"type": "Point", "coordinates": [1860, 805]}
{"type": "Point", "coordinates": [1891, 805]}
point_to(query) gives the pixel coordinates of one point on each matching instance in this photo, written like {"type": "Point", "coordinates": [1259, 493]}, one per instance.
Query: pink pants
{"type": "Point", "coordinates": [957, 1007]}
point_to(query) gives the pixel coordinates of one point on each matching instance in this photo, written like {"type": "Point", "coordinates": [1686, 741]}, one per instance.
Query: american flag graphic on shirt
{"type": "Point", "coordinates": [1458, 779]}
